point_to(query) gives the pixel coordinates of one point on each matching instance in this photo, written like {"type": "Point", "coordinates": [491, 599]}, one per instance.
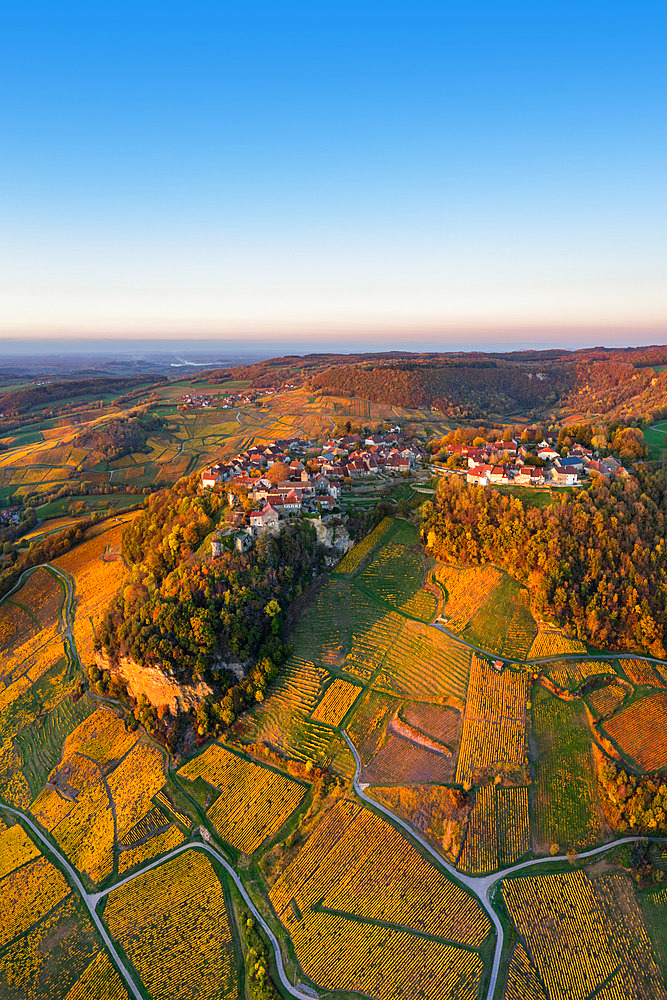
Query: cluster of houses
{"type": "Point", "coordinates": [503, 462]}
{"type": "Point", "coordinates": [9, 515]}
{"type": "Point", "coordinates": [315, 489]}
{"type": "Point", "coordinates": [228, 401]}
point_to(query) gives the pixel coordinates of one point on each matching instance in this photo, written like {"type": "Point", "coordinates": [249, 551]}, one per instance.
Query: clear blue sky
{"type": "Point", "coordinates": [393, 172]}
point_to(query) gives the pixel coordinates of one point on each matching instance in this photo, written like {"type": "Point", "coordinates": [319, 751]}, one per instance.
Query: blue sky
{"type": "Point", "coordinates": [399, 173]}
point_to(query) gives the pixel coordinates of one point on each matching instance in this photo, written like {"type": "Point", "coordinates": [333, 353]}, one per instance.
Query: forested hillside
{"type": "Point", "coordinates": [186, 612]}
{"type": "Point", "coordinates": [462, 389]}
{"type": "Point", "coordinates": [595, 561]}
{"type": "Point", "coordinates": [622, 383]}
{"type": "Point", "coordinates": [116, 438]}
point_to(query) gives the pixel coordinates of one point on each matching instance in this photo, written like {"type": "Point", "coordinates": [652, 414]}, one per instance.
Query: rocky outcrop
{"type": "Point", "coordinates": [160, 689]}
{"type": "Point", "coordinates": [332, 536]}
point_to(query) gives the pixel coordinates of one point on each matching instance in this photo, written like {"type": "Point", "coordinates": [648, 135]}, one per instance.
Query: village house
{"type": "Point", "coordinates": [547, 454]}
{"type": "Point", "coordinates": [267, 517]}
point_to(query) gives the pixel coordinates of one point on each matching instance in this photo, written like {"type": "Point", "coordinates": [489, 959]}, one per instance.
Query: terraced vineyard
{"type": "Point", "coordinates": [482, 765]}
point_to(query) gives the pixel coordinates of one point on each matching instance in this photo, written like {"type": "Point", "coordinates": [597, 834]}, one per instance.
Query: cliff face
{"type": "Point", "coordinates": [158, 687]}
{"type": "Point", "coordinates": [333, 538]}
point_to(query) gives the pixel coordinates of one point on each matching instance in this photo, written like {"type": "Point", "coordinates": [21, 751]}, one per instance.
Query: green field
{"type": "Point", "coordinates": [41, 743]}
{"type": "Point", "coordinates": [654, 910]}
{"type": "Point", "coordinates": [504, 624]}
{"type": "Point", "coordinates": [102, 502]}
{"type": "Point", "coordinates": [656, 439]}
{"type": "Point", "coordinates": [564, 805]}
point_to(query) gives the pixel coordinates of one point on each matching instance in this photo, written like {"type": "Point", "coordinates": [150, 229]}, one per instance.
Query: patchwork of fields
{"type": "Point", "coordinates": [487, 764]}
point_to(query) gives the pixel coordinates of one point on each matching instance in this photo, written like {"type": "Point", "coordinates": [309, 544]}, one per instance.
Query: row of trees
{"type": "Point", "coordinates": [594, 561]}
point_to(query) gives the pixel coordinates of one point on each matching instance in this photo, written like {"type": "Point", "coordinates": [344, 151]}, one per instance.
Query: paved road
{"type": "Point", "coordinates": [480, 886]}
{"type": "Point", "coordinates": [94, 898]}
{"type": "Point", "coordinates": [91, 899]}
{"type": "Point", "coordinates": [536, 661]}
{"type": "Point", "coordinates": [88, 900]}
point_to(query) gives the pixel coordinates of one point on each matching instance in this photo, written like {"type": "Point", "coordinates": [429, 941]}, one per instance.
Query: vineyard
{"type": "Point", "coordinates": [255, 802]}
{"type": "Point", "coordinates": [553, 642]}
{"type": "Point", "coordinates": [337, 701]}
{"type": "Point", "coordinates": [284, 721]}
{"type": "Point", "coordinates": [494, 724]}
{"type": "Point", "coordinates": [497, 833]}
{"type": "Point", "coordinates": [162, 800]}
{"type": "Point", "coordinates": [102, 788]}
{"type": "Point", "coordinates": [355, 868]}
{"type": "Point", "coordinates": [355, 863]}
{"type": "Point", "coordinates": [100, 981]}
{"type": "Point", "coordinates": [51, 956]}
{"type": "Point", "coordinates": [467, 590]}
{"type": "Point", "coordinates": [570, 674]}
{"type": "Point", "coordinates": [640, 731]}
{"type": "Point", "coordinates": [522, 981]}
{"type": "Point", "coordinates": [42, 596]}
{"type": "Point", "coordinates": [654, 909]}
{"type": "Point", "coordinates": [503, 625]}
{"type": "Point", "coordinates": [641, 672]}
{"type": "Point", "coordinates": [41, 743]}
{"type": "Point", "coordinates": [565, 809]}
{"type": "Point", "coordinates": [16, 849]}
{"type": "Point", "coordinates": [424, 663]}
{"type": "Point", "coordinates": [441, 722]}
{"type": "Point", "coordinates": [607, 700]}
{"type": "Point", "coordinates": [30, 636]}
{"type": "Point", "coordinates": [17, 713]}
{"type": "Point", "coordinates": [578, 929]}
{"type": "Point", "coordinates": [400, 761]}
{"type": "Point", "coordinates": [159, 843]}
{"type": "Point", "coordinates": [396, 574]}
{"type": "Point", "coordinates": [353, 559]}
{"type": "Point", "coordinates": [173, 926]}
{"type": "Point", "coordinates": [98, 571]}
{"type": "Point", "coordinates": [26, 894]}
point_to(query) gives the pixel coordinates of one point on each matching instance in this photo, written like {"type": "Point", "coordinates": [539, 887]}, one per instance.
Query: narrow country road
{"type": "Point", "coordinates": [94, 898]}
{"type": "Point", "coordinates": [480, 886]}
{"type": "Point", "coordinates": [64, 863]}
{"type": "Point", "coordinates": [536, 661]}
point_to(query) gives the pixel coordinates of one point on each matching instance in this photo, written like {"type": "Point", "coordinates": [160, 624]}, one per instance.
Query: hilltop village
{"type": "Point", "coordinates": [285, 478]}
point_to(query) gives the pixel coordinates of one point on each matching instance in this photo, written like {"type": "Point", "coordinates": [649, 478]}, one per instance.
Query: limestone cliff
{"type": "Point", "coordinates": [158, 687]}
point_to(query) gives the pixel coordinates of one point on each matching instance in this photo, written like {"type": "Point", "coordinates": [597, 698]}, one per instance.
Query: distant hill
{"type": "Point", "coordinates": [599, 381]}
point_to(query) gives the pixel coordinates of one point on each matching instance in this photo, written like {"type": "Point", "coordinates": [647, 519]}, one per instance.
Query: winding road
{"type": "Point", "coordinates": [537, 661]}
{"type": "Point", "coordinates": [88, 900]}
{"type": "Point", "coordinates": [480, 887]}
